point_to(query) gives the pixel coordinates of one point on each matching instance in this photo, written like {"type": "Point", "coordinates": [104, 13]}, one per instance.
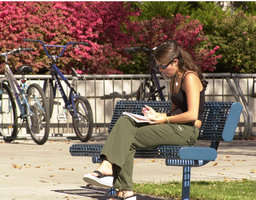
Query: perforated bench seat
{"type": "Point", "coordinates": [219, 123]}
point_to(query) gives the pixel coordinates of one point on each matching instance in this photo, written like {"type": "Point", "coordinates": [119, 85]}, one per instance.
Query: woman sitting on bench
{"type": "Point", "coordinates": [180, 127]}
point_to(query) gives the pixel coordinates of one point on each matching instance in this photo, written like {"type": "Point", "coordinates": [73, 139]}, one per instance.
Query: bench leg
{"type": "Point", "coordinates": [186, 182]}
{"type": "Point", "coordinates": [112, 191]}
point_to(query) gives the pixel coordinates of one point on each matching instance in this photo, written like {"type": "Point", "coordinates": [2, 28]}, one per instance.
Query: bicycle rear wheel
{"type": "Point", "coordinates": [83, 123]}
{"type": "Point", "coordinates": [48, 90]}
{"type": "Point", "coordinates": [146, 91]}
{"type": "Point", "coordinates": [38, 121]}
{"type": "Point", "coordinates": [8, 114]}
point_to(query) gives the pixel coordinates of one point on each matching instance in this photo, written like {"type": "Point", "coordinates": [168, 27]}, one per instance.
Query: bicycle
{"type": "Point", "coordinates": [78, 106]}
{"type": "Point", "coordinates": [30, 100]}
{"type": "Point", "coordinates": [150, 89]}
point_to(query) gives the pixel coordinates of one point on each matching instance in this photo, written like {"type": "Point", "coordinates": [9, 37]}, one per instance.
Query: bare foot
{"type": "Point", "coordinates": [105, 168]}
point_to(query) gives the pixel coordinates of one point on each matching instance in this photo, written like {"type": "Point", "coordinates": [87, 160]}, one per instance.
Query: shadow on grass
{"type": "Point", "coordinates": [99, 193]}
{"type": "Point", "coordinates": [202, 183]}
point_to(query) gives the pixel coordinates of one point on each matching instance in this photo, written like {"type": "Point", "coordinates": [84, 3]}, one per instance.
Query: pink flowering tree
{"type": "Point", "coordinates": [102, 24]}
{"type": "Point", "coordinates": [108, 27]}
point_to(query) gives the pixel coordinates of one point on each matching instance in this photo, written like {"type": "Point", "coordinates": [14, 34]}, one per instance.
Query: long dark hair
{"type": "Point", "coordinates": [170, 50]}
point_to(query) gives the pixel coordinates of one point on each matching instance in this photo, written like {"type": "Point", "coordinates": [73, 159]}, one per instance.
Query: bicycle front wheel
{"type": "Point", "coordinates": [83, 122]}
{"type": "Point", "coordinates": [48, 90]}
{"type": "Point", "coordinates": [38, 119]}
{"type": "Point", "coordinates": [8, 115]}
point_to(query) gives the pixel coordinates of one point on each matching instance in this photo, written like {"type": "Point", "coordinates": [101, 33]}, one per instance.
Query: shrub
{"type": "Point", "coordinates": [236, 37]}
{"type": "Point", "coordinates": [189, 33]}
{"type": "Point", "coordinates": [206, 12]}
{"type": "Point", "coordinates": [165, 9]}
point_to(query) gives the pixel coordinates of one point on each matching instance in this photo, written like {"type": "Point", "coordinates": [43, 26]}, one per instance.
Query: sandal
{"type": "Point", "coordinates": [100, 180]}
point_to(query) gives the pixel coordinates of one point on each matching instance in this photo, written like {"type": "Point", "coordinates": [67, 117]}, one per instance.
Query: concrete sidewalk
{"type": "Point", "coordinates": [39, 172]}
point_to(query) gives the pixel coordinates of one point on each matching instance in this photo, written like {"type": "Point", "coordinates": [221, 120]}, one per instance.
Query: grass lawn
{"type": "Point", "coordinates": [202, 190]}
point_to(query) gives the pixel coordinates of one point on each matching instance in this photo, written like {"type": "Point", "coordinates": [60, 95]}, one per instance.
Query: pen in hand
{"type": "Point", "coordinates": [145, 110]}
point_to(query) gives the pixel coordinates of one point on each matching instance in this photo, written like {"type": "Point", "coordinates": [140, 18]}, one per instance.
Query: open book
{"type": "Point", "coordinates": [137, 118]}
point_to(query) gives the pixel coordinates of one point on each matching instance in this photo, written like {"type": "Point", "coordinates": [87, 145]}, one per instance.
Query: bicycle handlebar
{"type": "Point", "coordinates": [58, 46]}
{"type": "Point", "coordinates": [16, 51]}
{"type": "Point", "coordinates": [26, 49]}
{"type": "Point", "coordinates": [30, 40]}
{"type": "Point", "coordinates": [79, 43]}
{"type": "Point", "coordinates": [82, 43]}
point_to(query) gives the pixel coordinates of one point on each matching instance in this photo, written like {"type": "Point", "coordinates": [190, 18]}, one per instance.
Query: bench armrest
{"type": "Point", "coordinates": [232, 121]}
{"type": "Point", "coordinates": [198, 153]}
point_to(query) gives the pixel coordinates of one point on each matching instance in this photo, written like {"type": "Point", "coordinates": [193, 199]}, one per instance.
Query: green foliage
{"type": "Point", "coordinates": [198, 16]}
{"type": "Point", "coordinates": [188, 32]}
{"type": "Point", "coordinates": [137, 64]}
{"type": "Point", "coordinates": [233, 33]}
{"type": "Point", "coordinates": [207, 13]}
{"type": "Point", "coordinates": [250, 8]}
{"type": "Point", "coordinates": [236, 37]}
{"type": "Point", "coordinates": [202, 190]}
{"type": "Point", "coordinates": [165, 9]}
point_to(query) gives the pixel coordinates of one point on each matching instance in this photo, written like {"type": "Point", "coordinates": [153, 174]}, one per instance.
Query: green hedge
{"type": "Point", "coordinates": [236, 37]}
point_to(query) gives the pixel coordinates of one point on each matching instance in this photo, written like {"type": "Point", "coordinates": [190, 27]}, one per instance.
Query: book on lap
{"type": "Point", "coordinates": [137, 118]}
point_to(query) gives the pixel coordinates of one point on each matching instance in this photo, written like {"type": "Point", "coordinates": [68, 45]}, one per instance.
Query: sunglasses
{"type": "Point", "coordinates": [163, 66]}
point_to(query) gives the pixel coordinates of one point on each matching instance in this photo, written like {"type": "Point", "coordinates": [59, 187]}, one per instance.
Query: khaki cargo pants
{"type": "Point", "coordinates": [128, 135]}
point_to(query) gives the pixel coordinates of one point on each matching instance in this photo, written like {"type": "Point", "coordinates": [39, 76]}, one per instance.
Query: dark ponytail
{"type": "Point", "coordinates": [170, 50]}
{"type": "Point", "coordinates": [188, 63]}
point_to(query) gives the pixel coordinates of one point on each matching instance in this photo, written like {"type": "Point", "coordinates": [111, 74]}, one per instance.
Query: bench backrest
{"type": "Point", "coordinates": [214, 126]}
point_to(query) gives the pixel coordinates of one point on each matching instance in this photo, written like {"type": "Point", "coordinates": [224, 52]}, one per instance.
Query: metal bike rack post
{"type": "Point", "coordinates": [249, 113]}
{"type": "Point", "coordinates": [239, 96]}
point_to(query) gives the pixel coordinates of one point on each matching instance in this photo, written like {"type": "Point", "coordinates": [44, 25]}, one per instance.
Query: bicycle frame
{"type": "Point", "coordinates": [153, 71]}
{"type": "Point", "coordinates": [30, 100]}
{"type": "Point", "coordinates": [78, 106]}
{"type": "Point", "coordinates": [158, 87]}
{"type": "Point", "coordinates": [18, 92]}
{"type": "Point", "coordinates": [56, 73]}
{"type": "Point", "coordinates": [57, 76]}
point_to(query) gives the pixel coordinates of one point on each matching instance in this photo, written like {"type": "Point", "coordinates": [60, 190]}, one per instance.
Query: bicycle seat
{"type": "Point", "coordinates": [75, 74]}
{"type": "Point", "coordinates": [24, 69]}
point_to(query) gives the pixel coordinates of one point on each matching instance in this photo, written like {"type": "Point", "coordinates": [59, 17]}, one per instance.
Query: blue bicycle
{"type": "Point", "coordinates": [78, 106]}
{"type": "Point", "coordinates": [30, 100]}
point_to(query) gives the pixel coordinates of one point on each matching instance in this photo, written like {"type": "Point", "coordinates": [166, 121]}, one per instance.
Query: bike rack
{"type": "Point", "coordinates": [239, 96]}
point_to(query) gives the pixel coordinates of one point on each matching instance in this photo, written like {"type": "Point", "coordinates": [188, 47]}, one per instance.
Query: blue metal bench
{"type": "Point", "coordinates": [219, 124]}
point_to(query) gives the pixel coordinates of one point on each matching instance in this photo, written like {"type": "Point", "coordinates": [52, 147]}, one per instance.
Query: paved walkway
{"type": "Point", "coordinates": [39, 172]}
